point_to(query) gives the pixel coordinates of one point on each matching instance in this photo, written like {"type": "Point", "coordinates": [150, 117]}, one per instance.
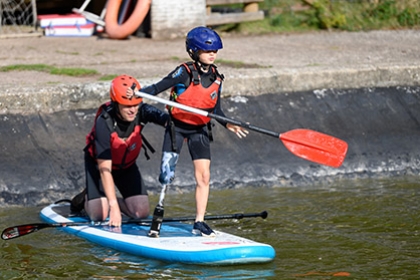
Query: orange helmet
{"type": "Point", "coordinates": [118, 91]}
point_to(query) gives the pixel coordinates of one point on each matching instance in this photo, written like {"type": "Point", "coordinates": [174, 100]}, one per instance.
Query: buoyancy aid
{"type": "Point", "coordinates": [124, 152]}
{"type": "Point", "coordinates": [196, 96]}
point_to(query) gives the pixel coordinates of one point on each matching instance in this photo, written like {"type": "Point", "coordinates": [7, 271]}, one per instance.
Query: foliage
{"type": "Point", "coordinates": [349, 15]}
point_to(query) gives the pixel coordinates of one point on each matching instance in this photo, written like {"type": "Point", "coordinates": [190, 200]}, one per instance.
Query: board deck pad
{"type": "Point", "coordinates": [176, 242]}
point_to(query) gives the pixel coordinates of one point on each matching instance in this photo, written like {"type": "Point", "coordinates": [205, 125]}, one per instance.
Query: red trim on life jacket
{"type": "Point", "coordinates": [124, 152]}
{"type": "Point", "coordinates": [198, 97]}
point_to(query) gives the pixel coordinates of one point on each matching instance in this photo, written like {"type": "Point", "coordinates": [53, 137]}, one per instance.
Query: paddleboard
{"type": "Point", "coordinates": [175, 244]}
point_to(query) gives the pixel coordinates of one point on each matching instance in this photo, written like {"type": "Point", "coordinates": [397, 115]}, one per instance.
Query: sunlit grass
{"type": "Point", "coordinates": [238, 64]}
{"type": "Point", "coordinates": [74, 72]}
{"type": "Point", "coordinates": [108, 77]}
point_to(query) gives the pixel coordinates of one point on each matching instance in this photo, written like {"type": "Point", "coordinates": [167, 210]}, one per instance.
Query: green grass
{"type": "Point", "coordinates": [108, 77]}
{"type": "Point", "coordinates": [346, 15]}
{"type": "Point", "coordinates": [237, 64]}
{"type": "Point", "coordinates": [74, 72]}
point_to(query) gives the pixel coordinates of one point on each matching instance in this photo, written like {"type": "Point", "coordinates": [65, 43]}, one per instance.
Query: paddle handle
{"type": "Point", "coordinates": [207, 114]}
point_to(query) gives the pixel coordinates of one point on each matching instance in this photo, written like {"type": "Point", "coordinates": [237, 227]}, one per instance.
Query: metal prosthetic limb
{"type": "Point", "coordinates": [158, 215]}
{"type": "Point", "coordinates": [167, 174]}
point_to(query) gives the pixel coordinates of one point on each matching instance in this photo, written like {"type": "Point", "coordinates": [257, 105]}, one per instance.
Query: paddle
{"type": "Point", "coordinates": [308, 144]}
{"type": "Point", "coordinates": [21, 230]}
{"type": "Point", "coordinates": [305, 143]}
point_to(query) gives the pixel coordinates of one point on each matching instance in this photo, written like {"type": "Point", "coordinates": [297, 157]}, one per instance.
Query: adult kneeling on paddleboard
{"type": "Point", "coordinates": [113, 146]}
{"type": "Point", "coordinates": [197, 83]}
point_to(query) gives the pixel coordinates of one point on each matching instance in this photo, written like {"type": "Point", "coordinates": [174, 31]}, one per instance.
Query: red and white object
{"type": "Point", "coordinates": [61, 20]}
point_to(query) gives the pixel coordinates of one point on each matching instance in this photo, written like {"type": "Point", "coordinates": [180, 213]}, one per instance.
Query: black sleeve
{"type": "Point", "coordinates": [218, 108]}
{"type": "Point", "coordinates": [178, 76]}
{"type": "Point", "coordinates": [102, 139]}
{"type": "Point", "coordinates": [149, 113]}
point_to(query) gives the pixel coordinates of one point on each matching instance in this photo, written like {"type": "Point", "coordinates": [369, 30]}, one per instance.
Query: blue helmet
{"type": "Point", "coordinates": [202, 38]}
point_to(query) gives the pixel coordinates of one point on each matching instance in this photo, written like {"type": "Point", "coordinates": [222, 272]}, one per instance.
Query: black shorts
{"type": "Point", "coordinates": [128, 181]}
{"type": "Point", "coordinates": [197, 139]}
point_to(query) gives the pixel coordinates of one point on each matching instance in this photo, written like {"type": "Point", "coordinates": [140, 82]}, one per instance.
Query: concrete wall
{"type": "Point", "coordinates": [42, 158]}
{"type": "Point", "coordinates": [173, 19]}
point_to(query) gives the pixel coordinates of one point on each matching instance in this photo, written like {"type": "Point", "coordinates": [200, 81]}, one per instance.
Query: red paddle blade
{"type": "Point", "coordinates": [315, 146]}
{"type": "Point", "coordinates": [16, 231]}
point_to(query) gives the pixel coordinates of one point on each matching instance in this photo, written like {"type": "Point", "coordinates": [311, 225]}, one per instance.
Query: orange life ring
{"type": "Point", "coordinates": [116, 31]}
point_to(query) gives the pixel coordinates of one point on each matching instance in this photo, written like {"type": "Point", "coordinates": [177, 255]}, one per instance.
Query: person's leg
{"type": "Point", "coordinates": [199, 147]}
{"type": "Point", "coordinates": [78, 202]}
{"type": "Point", "coordinates": [97, 209]}
{"type": "Point", "coordinates": [172, 145]}
{"type": "Point", "coordinates": [131, 186]}
{"type": "Point", "coordinates": [169, 155]}
{"type": "Point", "coordinates": [96, 204]}
{"type": "Point", "coordinates": [202, 177]}
{"type": "Point", "coordinates": [137, 206]}
{"type": "Point", "coordinates": [167, 167]}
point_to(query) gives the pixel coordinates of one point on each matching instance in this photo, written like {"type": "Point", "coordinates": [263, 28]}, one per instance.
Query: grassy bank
{"type": "Point", "coordinates": [346, 15]}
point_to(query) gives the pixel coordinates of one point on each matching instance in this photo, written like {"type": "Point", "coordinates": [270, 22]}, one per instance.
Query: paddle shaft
{"type": "Point", "coordinates": [304, 143]}
{"type": "Point", "coordinates": [209, 115]}
{"type": "Point", "coordinates": [21, 230]}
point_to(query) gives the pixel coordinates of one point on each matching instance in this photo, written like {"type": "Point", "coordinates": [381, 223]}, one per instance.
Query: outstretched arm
{"type": "Point", "coordinates": [105, 171]}
{"type": "Point", "coordinates": [239, 131]}
{"type": "Point", "coordinates": [179, 76]}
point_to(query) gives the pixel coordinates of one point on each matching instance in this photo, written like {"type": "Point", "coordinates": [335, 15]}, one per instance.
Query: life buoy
{"type": "Point", "coordinates": [117, 31]}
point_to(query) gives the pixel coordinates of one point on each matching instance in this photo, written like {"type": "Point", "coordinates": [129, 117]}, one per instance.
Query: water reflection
{"type": "Point", "coordinates": [367, 228]}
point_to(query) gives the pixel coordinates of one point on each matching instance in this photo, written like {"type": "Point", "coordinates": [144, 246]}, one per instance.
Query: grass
{"type": "Point", "coordinates": [237, 64]}
{"type": "Point", "coordinates": [291, 16]}
{"type": "Point", "coordinates": [346, 15]}
{"type": "Point", "coordinates": [108, 77]}
{"type": "Point", "coordinates": [74, 72]}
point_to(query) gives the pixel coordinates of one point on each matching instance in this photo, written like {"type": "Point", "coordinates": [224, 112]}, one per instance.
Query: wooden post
{"type": "Point", "coordinates": [251, 7]}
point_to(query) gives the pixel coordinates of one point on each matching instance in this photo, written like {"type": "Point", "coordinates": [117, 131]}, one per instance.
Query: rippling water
{"type": "Point", "coordinates": [367, 229]}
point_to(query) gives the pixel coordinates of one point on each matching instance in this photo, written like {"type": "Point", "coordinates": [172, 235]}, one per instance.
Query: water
{"type": "Point", "coordinates": [367, 229]}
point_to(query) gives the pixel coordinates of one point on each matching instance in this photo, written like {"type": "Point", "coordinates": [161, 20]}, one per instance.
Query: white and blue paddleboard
{"type": "Point", "coordinates": [175, 244]}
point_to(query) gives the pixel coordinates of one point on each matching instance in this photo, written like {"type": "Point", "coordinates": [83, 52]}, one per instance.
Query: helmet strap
{"type": "Point", "coordinates": [115, 107]}
{"type": "Point", "coordinates": [203, 66]}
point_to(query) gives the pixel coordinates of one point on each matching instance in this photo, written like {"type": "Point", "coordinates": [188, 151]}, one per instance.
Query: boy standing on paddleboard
{"type": "Point", "coordinates": [112, 149]}
{"type": "Point", "coordinates": [197, 84]}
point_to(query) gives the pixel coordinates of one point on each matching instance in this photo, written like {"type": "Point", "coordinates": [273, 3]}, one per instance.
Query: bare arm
{"type": "Point", "coordinates": [105, 170]}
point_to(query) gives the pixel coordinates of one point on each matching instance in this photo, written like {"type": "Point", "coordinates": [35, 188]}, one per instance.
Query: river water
{"type": "Point", "coordinates": [360, 220]}
{"type": "Point", "coordinates": [362, 228]}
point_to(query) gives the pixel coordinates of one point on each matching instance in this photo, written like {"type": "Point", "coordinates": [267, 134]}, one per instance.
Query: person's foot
{"type": "Point", "coordinates": [201, 228]}
{"type": "Point", "coordinates": [78, 202]}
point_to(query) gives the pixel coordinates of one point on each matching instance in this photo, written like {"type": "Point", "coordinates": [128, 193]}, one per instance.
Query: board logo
{"type": "Point", "coordinates": [221, 243]}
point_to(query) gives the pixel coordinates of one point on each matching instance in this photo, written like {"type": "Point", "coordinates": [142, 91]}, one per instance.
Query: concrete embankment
{"type": "Point", "coordinates": [42, 158]}
{"type": "Point", "coordinates": [363, 88]}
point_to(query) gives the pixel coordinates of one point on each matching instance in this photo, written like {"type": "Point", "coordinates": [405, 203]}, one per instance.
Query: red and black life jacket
{"type": "Point", "coordinates": [196, 96]}
{"type": "Point", "coordinates": [124, 152]}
